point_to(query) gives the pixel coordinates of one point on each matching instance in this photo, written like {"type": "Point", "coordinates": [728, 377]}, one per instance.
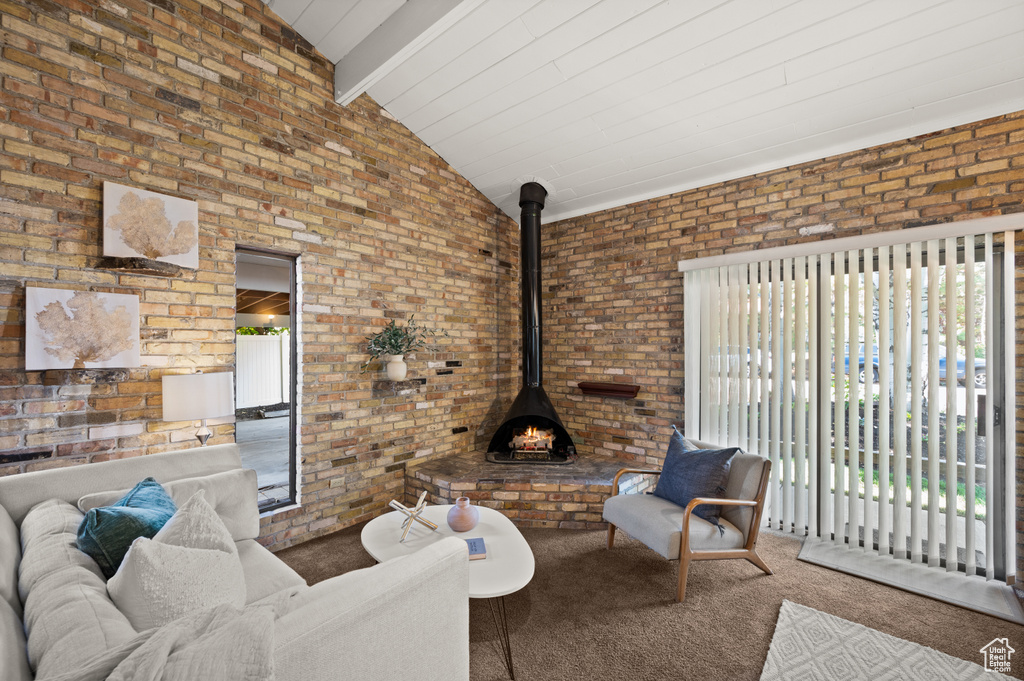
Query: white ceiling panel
{"type": "Point", "coordinates": [536, 59]}
{"type": "Point", "coordinates": [506, 40]}
{"type": "Point", "coordinates": [642, 18]}
{"type": "Point", "coordinates": [465, 115]}
{"type": "Point", "coordinates": [319, 17]}
{"type": "Point", "coordinates": [614, 101]}
{"type": "Point", "coordinates": [334, 26]}
{"type": "Point", "coordinates": [476, 28]}
{"type": "Point", "coordinates": [546, 16]}
{"type": "Point", "coordinates": [357, 24]}
{"type": "Point", "coordinates": [846, 107]}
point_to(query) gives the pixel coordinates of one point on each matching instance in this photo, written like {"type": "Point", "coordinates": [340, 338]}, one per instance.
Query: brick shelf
{"type": "Point", "coordinates": [569, 497]}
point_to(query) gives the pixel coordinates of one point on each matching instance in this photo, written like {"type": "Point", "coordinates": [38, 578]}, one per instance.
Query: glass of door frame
{"type": "Point", "coordinates": [988, 355]}
{"type": "Point", "coordinates": [266, 366]}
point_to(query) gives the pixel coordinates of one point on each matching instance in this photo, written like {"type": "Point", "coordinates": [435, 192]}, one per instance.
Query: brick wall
{"type": "Point", "coordinates": [614, 301]}
{"type": "Point", "coordinates": [221, 103]}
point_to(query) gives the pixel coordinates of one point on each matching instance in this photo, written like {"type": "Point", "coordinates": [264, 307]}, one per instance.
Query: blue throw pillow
{"type": "Point", "coordinates": [107, 532]}
{"type": "Point", "coordinates": [690, 474]}
{"type": "Point", "coordinates": [678, 443]}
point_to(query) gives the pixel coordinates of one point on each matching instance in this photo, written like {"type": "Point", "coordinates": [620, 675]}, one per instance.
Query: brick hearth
{"type": "Point", "coordinates": [531, 495]}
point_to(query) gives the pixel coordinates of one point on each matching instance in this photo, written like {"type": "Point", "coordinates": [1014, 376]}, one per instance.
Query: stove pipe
{"type": "Point", "coordinates": [532, 407]}
{"type": "Point", "coordinates": [531, 202]}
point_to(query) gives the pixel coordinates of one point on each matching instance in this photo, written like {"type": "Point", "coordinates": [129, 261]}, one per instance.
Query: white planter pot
{"type": "Point", "coordinates": [396, 367]}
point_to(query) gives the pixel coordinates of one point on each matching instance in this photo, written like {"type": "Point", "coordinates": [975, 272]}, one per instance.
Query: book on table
{"type": "Point", "coordinates": [477, 550]}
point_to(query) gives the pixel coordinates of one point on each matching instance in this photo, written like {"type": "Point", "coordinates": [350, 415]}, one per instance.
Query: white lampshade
{"type": "Point", "coordinates": [191, 397]}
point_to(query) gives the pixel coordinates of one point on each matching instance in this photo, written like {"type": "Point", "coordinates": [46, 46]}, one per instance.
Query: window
{"type": "Point", "coordinates": [874, 378]}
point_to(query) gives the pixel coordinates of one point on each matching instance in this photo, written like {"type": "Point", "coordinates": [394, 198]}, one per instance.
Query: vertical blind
{"type": "Point", "coordinates": [875, 379]}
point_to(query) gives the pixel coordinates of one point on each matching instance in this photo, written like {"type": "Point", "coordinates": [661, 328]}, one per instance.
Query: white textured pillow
{"type": "Point", "coordinates": [191, 564]}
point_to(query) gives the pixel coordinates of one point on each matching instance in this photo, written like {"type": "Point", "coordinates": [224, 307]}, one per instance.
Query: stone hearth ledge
{"type": "Point", "coordinates": [531, 495]}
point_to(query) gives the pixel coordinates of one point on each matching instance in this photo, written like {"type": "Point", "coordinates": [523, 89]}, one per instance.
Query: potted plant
{"type": "Point", "coordinates": [393, 343]}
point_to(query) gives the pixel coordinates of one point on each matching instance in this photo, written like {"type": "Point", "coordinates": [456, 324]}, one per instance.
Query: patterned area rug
{"type": "Point", "coordinates": [809, 644]}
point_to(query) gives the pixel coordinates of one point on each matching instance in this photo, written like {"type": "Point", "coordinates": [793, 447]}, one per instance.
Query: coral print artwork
{"type": "Point", "coordinates": [139, 223]}
{"type": "Point", "coordinates": [80, 330]}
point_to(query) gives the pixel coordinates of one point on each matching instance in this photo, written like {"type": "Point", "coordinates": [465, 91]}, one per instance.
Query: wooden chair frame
{"type": "Point", "coordinates": [686, 554]}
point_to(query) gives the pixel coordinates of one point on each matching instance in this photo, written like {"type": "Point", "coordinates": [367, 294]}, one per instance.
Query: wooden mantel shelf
{"type": "Point", "coordinates": [624, 390]}
{"type": "Point", "coordinates": [142, 266]}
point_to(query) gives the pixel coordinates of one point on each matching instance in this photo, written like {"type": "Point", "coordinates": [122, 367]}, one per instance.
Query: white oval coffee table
{"type": "Point", "coordinates": [507, 568]}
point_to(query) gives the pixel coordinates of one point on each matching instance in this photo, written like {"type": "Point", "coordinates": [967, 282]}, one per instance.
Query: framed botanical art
{"type": "Point", "coordinates": [80, 329]}
{"type": "Point", "coordinates": [142, 224]}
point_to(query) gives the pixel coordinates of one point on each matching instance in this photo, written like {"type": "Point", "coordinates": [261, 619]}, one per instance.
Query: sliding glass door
{"type": "Point", "coordinates": [874, 378]}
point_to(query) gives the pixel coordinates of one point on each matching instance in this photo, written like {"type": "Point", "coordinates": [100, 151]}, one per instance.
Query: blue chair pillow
{"type": "Point", "coordinates": [678, 443]}
{"type": "Point", "coordinates": [692, 474]}
{"type": "Point", "coordinates": [107, 532]}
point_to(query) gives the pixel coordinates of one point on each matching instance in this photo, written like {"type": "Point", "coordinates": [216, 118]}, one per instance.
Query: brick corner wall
{"type": "Point", "coordinates": [615, 300]}
{"type": "Point", "coordinates": [221, 103]}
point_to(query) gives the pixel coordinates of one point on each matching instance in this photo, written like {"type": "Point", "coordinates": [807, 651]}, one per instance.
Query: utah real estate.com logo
{"type": "Point", "coordinates": [997, 655]}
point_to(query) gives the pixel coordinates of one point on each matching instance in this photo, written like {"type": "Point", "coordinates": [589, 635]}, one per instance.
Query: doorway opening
{"type": "Point", "coordinates": [266, 365]}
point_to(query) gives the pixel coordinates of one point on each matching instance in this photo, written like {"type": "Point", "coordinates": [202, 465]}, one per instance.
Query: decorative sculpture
{"type": "Point", "coordinates": [412, 514]}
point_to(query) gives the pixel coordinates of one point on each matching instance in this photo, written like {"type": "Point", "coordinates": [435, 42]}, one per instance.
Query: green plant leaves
{"type": "Point", "coordinates": [397, 340]}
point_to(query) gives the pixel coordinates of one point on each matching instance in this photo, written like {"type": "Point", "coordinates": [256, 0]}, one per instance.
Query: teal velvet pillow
{"type": "Point", "coordinates": [107, 532]}
{"type": "Point", "coordinates": [689, 474]}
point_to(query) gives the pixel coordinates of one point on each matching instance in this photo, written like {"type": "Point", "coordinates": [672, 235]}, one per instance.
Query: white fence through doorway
{"type": "Point", "coordinates": [263, 370]}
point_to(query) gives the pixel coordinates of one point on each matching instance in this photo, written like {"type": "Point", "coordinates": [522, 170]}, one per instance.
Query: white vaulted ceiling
{"type": "Point", "coordinates": [613, 101]}
{"type": "Point", "coordinates": [334, 26]}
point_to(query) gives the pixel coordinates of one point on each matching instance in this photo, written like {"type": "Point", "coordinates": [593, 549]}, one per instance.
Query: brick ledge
{"type": "Point", "coordinates": [568, 497]}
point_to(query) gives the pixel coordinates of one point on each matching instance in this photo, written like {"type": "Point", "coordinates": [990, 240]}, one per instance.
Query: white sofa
{"type": "Point", "coordinates": [406, 618]}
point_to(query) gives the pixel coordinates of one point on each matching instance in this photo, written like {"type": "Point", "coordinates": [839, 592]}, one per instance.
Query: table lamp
{"type": "Point", "coordinates": [197, 397]}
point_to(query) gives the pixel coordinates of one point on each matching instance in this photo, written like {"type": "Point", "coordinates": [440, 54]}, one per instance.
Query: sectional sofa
{"type": "Point", "coordinates": [406, 618]}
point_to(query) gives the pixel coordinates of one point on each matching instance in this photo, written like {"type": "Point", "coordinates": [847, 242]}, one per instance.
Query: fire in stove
{"type": "Point", "coordinates": [531, 439]}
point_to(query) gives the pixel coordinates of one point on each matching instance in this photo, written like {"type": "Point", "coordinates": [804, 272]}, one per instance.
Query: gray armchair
{"type": "Point", "coordinates": [677, 532]}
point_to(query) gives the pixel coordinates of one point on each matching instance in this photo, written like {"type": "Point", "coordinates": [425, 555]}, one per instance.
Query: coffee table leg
{"type": "Point", "coordinates": [500, 616]}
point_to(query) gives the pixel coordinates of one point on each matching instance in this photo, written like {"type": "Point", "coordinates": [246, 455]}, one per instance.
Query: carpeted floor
{"type": "Point", "coordinates": [590, 613]}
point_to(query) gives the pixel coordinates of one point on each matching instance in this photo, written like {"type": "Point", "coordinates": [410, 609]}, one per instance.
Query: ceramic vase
{"type": "Point", "coordinates": [462, 517]}
{"type": "Point", "coordinates": [396, 367]}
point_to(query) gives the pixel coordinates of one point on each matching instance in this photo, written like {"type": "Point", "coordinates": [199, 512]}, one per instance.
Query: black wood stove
{"type": "Point", "coordinates": [531, 431]}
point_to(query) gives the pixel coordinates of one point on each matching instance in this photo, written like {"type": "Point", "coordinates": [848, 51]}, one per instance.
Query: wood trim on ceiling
{"type": "Point", "coordinates": [251, 301]}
